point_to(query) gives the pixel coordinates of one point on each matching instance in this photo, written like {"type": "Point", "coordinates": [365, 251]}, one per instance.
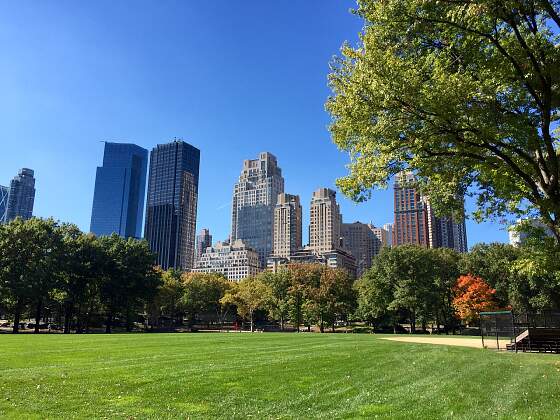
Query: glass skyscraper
{"type": "Point", "coordinates": [172, 203]}
{"type": "Point", "coordinates": [120, 185]}
{"type": "Point", "coordinates": [4, 193]}
{"type": "Point", "coordinates": [254, 199]}
{"type": "Point", "coordinates": [21, 196]}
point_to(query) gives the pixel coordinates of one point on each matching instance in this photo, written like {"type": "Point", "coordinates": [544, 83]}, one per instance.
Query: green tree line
{"type": "Point", "coordinates": [54, 271]}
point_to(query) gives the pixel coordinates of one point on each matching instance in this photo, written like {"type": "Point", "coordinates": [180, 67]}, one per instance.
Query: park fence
{"type": "Point", "coordinates": [500, 329]}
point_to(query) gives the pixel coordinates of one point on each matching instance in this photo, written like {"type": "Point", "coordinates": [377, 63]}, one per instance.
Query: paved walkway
{"type": "Point", "coordinates": [447, 341]}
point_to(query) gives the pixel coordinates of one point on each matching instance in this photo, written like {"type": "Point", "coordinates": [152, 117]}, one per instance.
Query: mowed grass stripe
{"type": "Point", "coordinates": [267, 376]}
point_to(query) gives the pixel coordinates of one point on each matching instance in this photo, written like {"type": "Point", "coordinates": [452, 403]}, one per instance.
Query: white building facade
{"type": "Point", "coordinates": [234, 261]}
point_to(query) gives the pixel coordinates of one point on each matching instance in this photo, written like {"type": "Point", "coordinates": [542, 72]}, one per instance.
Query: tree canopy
{"type": "Point", "coordinates": [464, 93]}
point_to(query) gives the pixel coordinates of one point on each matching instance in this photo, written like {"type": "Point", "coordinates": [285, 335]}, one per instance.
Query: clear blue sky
{"type": "Point", "coordinates": [233, 78]}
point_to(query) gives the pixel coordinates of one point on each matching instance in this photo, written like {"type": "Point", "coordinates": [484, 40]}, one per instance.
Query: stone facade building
{"type": "Point", "coordinates": [287, 225]}
{"type": "Point", "coordinates": [325, 221]}
{"type": "Point", "coordinates": [235, 261]}
{"type": "Point", "coordinates": [254, 200]}
{"type": "Point", "coordinates": [363, 241]}
{"type": "Point", "coordinates": [203, 241]}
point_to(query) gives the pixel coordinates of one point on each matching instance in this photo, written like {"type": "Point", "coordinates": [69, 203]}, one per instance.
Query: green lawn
{"type": "Point", "coordinates": [268, 376]}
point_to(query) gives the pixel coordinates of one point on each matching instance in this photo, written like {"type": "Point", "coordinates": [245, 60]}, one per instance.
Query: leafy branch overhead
{"type": "Point", "coordinates": [465, 93]}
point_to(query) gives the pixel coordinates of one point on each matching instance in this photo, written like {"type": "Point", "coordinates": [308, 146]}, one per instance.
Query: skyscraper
{"type": "Point", "coordinates": [203, 241]}
{"type": "Point", "coordinates": [325, 221]}
{"type": "Point", "coordinates": [4, 193]}
{"type": "Point", "coordinates": [172, 202]}
{"type": "Point", "coordinates": [410, 226]}
{"type": "Point", "coordinates": [448, 231]}
{"type": "Point", "coordinates": [363, 241]}
{"type": "Point", "coordinates": [120, 186]}
{"type": "Point", "coordinates": [287, 225]}
{"type": "Point", "coordinates": [416, 222]}
{"type": "Point", "coordinates": [22, 195]}
{"type": "Point", "coordinates": [389, 228]}
{"type": "Point", "coordinates": [254, 199]}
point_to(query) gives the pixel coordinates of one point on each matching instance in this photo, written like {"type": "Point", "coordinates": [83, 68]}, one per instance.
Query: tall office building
{"type": "Point", "coordinates": [410, 225]}
{"type": "Point", "coordinates": [388, 227]}
{"type": "Point", "coordinates": [448, 231]}
{"type": "Point", "coordinates": [21, 196]}
{"type": "Point", "coordinates": [120, 188]}
{"type": "Point", "coordinates": [363, 241]}
{"type": "Point", "coordinates": [287, 225]}
{"type": "Point", "coordinates": [203, 241]}
{"type": "Point", "coordinates": [4, 194]}
{"type": "Point", "coordinates": [325, 221]}
{"type": "Point", "coordinates": [416, 223]}
{"type": "Point", "coordinates": [254, 199]}
{"type": "Point", "coordinates": [172, 202]}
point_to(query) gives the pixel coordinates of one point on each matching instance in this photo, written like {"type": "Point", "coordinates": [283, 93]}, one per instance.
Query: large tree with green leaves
{"type": "Point", "coordinates": [280, 302]}
{"type": "Point", "coordinates": [30, 252]}
{"type": "Point", "coordinates": [465, 93]}
{"type": "Point", "coordinates": [130, 279]}
{"type": "Point", "coordinates": [81, 270]}
{"type": "Point", "coordinates": [202, 293]}
{"type": "Point", "coordinates": [248, 296]}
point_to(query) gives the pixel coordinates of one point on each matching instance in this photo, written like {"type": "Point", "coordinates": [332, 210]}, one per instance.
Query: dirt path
{"type": "Point", "coordinates": [447, 341]}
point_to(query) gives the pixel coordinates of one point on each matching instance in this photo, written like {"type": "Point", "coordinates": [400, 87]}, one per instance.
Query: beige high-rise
{"type": "Point", "coordinates": [287, 225]}
{"type": "Point", "coordinates": [363, 241]}
{"type": "Point", "coordinates": [325, 221]}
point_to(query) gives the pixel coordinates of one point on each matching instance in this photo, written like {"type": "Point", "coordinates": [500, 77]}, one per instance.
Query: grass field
{"type": "Point", "coordinates": [268, 376]}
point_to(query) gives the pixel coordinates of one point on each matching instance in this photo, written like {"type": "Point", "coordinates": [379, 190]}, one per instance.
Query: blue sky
{"type": "Point", "coordinates": [233, 78]}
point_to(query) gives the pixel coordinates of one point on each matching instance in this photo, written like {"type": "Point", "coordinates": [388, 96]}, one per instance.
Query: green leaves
{"type": "Point", "coordinates": [463, 93]}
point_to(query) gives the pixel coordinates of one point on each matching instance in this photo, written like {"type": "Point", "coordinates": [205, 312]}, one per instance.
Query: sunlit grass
{"type": "Point", "coordinates": [268, 376]}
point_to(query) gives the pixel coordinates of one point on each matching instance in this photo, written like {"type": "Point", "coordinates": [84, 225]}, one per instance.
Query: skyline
{"type": "Point", "coordinates": [198, 73]}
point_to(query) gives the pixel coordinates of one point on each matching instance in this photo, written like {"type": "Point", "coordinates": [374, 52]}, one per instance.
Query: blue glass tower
{"type": "Point", "coordinates": [120, 185]}
{"type": "Point", "coordinates": [172, 202]}
{"type": "Point", "coordinates": [4, 192]}
{"type": "Point", "coordinates": [21, 197]}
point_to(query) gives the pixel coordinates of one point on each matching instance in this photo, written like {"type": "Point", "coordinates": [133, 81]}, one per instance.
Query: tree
{"type": "Point", "coordinates": [375, 293]}
{"type": "Point", "coordinates": [249, 295]}
{"type": "Point", "coordinates": [537, 271]}
{"type": "Point", "coordinates": [29, 260]}
{"type": "Point", "coordinates": [304, 278]}
{"type": "Point", "coordinates": [280, 303]}
{"type": "Point", "coordinates": [81, 270]}
{"type": "Point", "coordinates": [202, 292]}
{"type": "Point", "coordinates": [494, 263]}
{"type": "Point", "coordinates": [446, 270]}
{"type": "Point", "coordinates": [408, 281]}
{"type": "Point", "coordinates": [168, 299]}
{"type": "Point", "coordinates": [331, 297]}
{"type": "Point", "coordinates": [464, 93]}
{"type": "Point", "coordinates": [472, 296]}
{"type": "Point", "coordinates": [129, 280]}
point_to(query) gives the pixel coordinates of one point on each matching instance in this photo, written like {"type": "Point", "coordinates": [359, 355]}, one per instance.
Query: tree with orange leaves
{"type": "Point", "coordinates": [472, 296]}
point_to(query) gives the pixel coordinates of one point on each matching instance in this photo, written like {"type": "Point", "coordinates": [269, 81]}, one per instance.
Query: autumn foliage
{"type": "Point", "coordinates": [472, 296]}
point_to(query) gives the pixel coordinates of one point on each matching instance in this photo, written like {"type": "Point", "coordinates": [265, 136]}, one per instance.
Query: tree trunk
{"type": "Point", "coordinates": [108, 323]}
{"type": "Point", "coordinates": [321, 326]}
{"type": "Point", "coordinates": [332, 326]}
{"type": "Point", "coordinates": [17, 317]}
{"type": "Point", "coordinates": [67, 317]}
{"type": "Point", "coordinates": [252, 322]}
{"type": "Point", "coordinates": [128, 319]}
{"type": "Point", "coordinates": [38, 315]}
{"type": "Point", "coordinates": [282, 323]}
